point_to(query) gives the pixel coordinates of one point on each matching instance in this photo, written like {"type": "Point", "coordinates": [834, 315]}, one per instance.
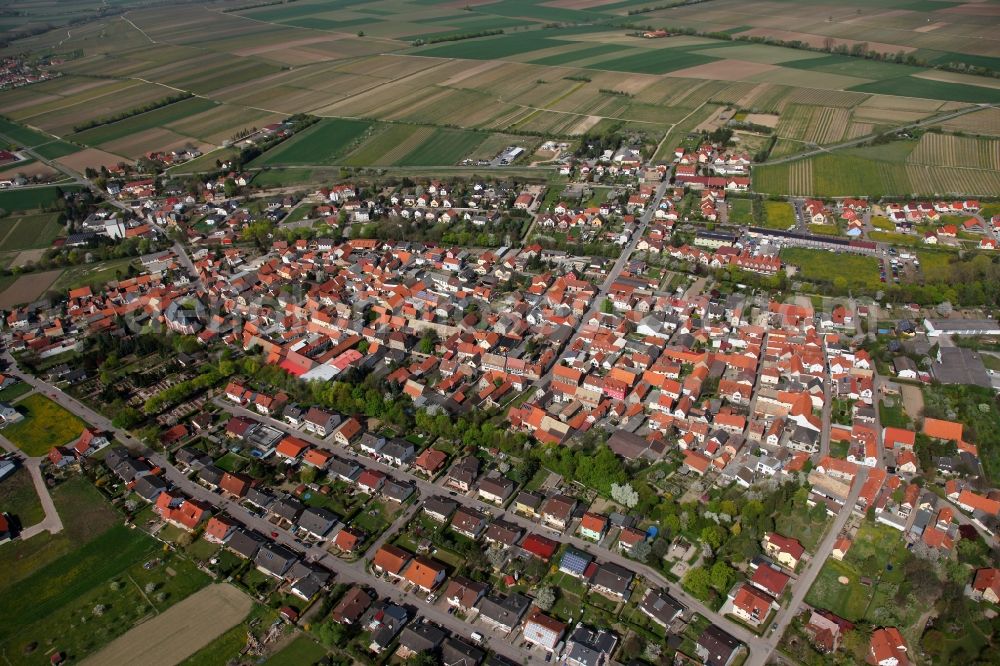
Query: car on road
{"type": "Point", "coordinates": [274, 535]}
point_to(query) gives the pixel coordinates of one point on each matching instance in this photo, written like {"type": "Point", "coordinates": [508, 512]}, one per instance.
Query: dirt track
{"type": "Point", "coordinates": [175, 635]}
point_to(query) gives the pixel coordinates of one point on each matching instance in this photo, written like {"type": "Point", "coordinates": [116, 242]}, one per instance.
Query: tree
{"type": "Point", "coordinates": [428, 341]}
{"type": "Point", "coordinates": [624, 494]}
{"type": "Point", "coordinates": [713, 535]}
{"type": "Point", "coordinates": [545, 598]}
{"type": "Point", "coordinates": [697, 582]}
{"type": "Point", "coordinates": [496, 556]}
{"type": "Point", "coordinates": [721, 576]}
{"type": "Point", "coordinates": [642, 550]}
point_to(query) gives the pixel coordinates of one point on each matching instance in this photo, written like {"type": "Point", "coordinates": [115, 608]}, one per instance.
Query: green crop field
{"type": "Point", "coordinates": [386, 141]}
{"type": "Point", "coordinates": [321, 144]}
{"type": "Point", "coordinates": [28, 138]}
{"type": "Point", "coordinates": [654, 61]}
{"type": "Point", "coordinates": [845, 270]}
{"type": "Point", "coordinates": [56, 149]}
{"type": "Point", "coordinates": [491, 47]}
{"type": "Point", "coordinates": [444, 147]}
{"type": "Point", "coordinates": [32, 198]}
{"type": "Point", "coordinates": [909, 86]}
{"type": "Point", "coordinates": [24, 232]}
{"type": "Point", "coordinates": [144, 121]}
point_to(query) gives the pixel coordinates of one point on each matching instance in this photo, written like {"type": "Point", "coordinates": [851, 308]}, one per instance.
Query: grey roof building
{"type": "Point", "coordinates": [317, 521]}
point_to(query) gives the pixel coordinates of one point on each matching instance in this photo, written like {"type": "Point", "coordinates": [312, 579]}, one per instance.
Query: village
{"type": "Point", "coordinates": [384, 430]}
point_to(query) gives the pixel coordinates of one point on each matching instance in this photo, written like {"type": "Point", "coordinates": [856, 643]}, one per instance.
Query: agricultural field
{"type": "Point", "coordinates": [95, 592]}
{"type": "Point", "coordinates": [32, 198]}
{"type": "Point", "coordinates": [321, 144]}
{"type": "Point", "coordinates": [843, 270]}
{"type": "Point", "coordinates": [25, 232]}
{"type": "Point", "coordinates": [200, 618]}
{"type": "Point", "coordinates": [45, 425]}
{"type": "Point", "coordinates": [355, 64]}
{"type": "Point", "coordinates": [27, 288]}
{"type": "Point", "coordinates": [877, 172]}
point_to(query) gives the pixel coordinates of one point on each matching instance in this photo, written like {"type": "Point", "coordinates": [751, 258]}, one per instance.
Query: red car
{"type": "Point", "coordinates": [274, 535]}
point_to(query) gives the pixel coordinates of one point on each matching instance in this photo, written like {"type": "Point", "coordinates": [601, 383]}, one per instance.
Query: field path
{"type": "Point", "coordinates": [173, 636]}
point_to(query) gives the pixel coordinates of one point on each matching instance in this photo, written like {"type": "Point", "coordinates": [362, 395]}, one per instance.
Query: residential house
{"type": "Point", "coordinates": [543, 631]}
{"type": "Point", "coordinates": [887, 648]}
{"type": "Point", "coordinates": [463, 593]}
{"type": "Point", "coordinates": [786, 551]}
{"type": "Point", "coordinates": [425, 573]}
{"type": "Point", "coordinates": [503, 612]}
{"type": "Point", "coordinates": [593, 526]}
{"type": "Point", "coordinates": [716, 647]}
{"type": "Point", "coordinates": [352, 606]}
{"type": "Point", "coordinates": [557, 511]}
{"type": "Point", "coordinates": [391, 560]}
{"type": "Point", "coordinates": [660, 607]}
{"type": "Point", "coordinates": [320, 422]}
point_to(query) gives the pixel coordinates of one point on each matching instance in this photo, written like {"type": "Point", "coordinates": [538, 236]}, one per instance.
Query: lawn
{"type": "Point", "coordinates": [18, 498]}
{"type": "Point", "coordinates": [320, 144]}
{"type": "Point", "coordinates": [778, 215]}
{"type": "Point", "coordinates": [741, 211]}
{"type": "Point", "coordinates": [44, 425]}
{"type": "Point", "coordinates": [12, 393]}
{"type": "Point", "coordinates": [302, 650]}
{"type": "Point", "coordinates": [894, 416]}
{"type": "Point", "coordinates": [878, 553]}
{"type": "Point", "coordinates": [227, 646]}
{"type": "Point", "coordinates": [92, 274]}
{"type": "Point", "coordinates": [841, 270]}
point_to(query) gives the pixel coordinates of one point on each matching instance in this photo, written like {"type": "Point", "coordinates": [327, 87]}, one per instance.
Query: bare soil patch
{"type": "Point", "coordinates": [27, 256]}
{"type": "Point", "coordinates": [29, 170]}
{"type": "Point", "coordinates": [913, 400]}
{"type": "Point", "coordinates": [185, 628]}
{"type": "Point", "coordinates": [929, 27]}
{"type": "Point", "coordinates": [27, 288]}
{"type": "Point", "coordinates": [90, 157]}
{"type": "Point", "coordinates": [765, 119]}
{"type": "Point", "coordinates": [469, 72]}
